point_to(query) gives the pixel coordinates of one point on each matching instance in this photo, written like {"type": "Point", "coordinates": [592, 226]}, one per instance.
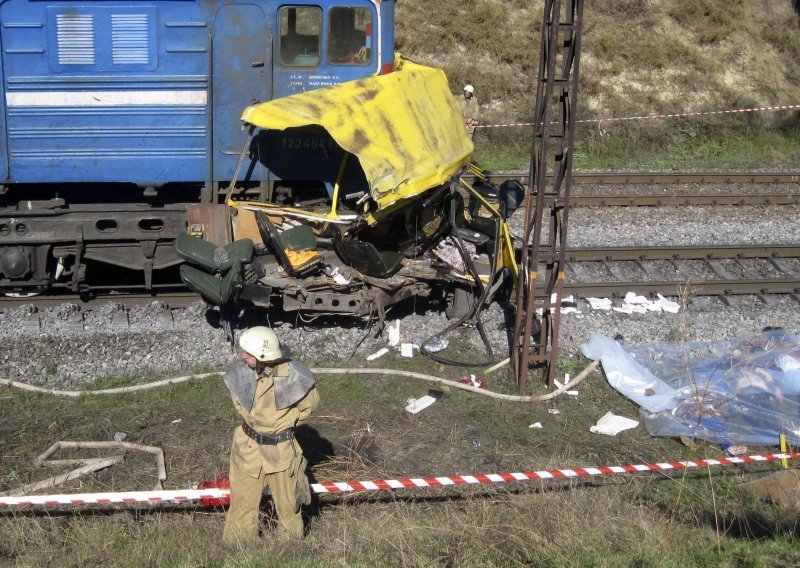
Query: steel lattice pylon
{"type": "Point", "coordinates": [536, 337]}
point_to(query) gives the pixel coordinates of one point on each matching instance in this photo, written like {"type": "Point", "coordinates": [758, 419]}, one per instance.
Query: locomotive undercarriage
{"type": "Point", "coordinates": [59, 241]}
{"type": "Point", "coordinates": [352, 294]}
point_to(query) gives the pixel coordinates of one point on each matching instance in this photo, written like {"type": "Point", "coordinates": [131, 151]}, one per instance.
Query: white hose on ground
{"type": "Point", "coordinates": [321, 371]}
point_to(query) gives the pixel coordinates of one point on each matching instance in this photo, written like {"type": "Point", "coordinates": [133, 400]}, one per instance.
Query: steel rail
{"type": "Point", "coordinates": [765, 286]}
{"type": "Point", "coordinates": [662, 178]}
{"type": "Point", "coordinates": [725, 285]}
{"type": "Point", "coordinates": [704, 252]}
{"type": "Point", "coordinates": [684, 199]}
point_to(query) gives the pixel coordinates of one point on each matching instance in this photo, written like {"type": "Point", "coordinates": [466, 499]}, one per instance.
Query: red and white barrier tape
{"type": "Point", "coordinates": [181, 496]}
{"type": "Point", "coordinates": [658, 116]}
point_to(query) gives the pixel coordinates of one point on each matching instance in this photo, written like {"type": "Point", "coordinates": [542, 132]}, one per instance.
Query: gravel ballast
{"type": "Point", "coordinates": [59, 354]}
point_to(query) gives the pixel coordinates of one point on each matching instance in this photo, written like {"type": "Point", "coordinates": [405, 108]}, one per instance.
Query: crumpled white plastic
{"type": "Point", "coordinates": [611, 424]}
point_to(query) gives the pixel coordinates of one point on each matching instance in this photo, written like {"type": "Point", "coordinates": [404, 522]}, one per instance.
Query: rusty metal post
{"type": "Point", "coordinates": [542, 266]}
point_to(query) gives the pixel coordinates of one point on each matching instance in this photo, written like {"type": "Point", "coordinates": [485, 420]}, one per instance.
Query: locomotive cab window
{"type": "Point", "coordinates": [300, 36]}
{"type": "Point", "coordinates": [350, 36]}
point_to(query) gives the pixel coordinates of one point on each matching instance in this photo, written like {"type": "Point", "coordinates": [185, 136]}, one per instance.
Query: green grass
{"type": "Point", "coordinates": [686, 147]}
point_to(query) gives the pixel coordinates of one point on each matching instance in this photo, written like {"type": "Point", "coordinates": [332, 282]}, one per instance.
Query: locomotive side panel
{"type": "Point", "coordinates": [104, 93]}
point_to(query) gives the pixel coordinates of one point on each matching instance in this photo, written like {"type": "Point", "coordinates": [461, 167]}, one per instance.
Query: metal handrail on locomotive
{"type": "Point", "coordinates": [116, 115]}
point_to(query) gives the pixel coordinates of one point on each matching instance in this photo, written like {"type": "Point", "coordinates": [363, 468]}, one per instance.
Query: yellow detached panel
{"type": "Point", "coordinates": [404, 127]}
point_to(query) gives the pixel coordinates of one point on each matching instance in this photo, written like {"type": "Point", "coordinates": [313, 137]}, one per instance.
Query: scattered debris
{"type": "Point", "coordinates": [635, 304]}
{"type": "Point", "coordinates": [120, 436]}
{"type": "Point", "coordinates": [379, 353]}
{"type": "Point", "coordinates": [499, 365]}
{"type": "Point", "coordinates": [88, 465]}
{"type": "Point", "coordinates": [553, 411]}
{"type": "Point", "coordinates": [732, 393]}
{"type": "Point", "coordinates": [734, 451]}
{"type": "Point", "coordinates": [177, 421]}
{"type": "Point", "coordinates": [432, 346]}
{"type": "Point", "coordinates": [568, 305]}
{"type": "Point", "coordinates": [474, 381]}
{"type": "Point", "coordinates": [600, 303]}
{"type": "Point", "coordinates": [406, 349]}
{"type": "Point", "coordinates": [536, 425]}
{"type": "Point", "coordinates": [611, 424]}
{"type": "Point", "coordinates": [394, 334]}
{"type": "Point", "coordinates": [415, 405]}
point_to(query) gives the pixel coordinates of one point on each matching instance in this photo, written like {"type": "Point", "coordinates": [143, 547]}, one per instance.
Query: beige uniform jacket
{"type": "Point", "coordinates": [255, 459]}
{"type": "Point", "coordinates": [469, 107]}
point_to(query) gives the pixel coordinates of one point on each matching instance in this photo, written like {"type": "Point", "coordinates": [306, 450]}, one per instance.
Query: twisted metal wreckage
{"type": "Point", "coordinates": [391, 218]}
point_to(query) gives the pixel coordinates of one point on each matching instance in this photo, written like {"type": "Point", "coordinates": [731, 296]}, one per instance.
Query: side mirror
{"type": "Point", "coordinates": [511, 193]}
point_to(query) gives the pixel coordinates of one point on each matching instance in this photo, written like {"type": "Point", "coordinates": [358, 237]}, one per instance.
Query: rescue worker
{"type": "Point", "coordinates": [468, 103]}
{"type": "Point", "coordinates": [273, 394]}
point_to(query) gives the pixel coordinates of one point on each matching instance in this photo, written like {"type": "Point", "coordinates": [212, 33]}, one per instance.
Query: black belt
{"type": "Point", "coordinates": [268, 439]}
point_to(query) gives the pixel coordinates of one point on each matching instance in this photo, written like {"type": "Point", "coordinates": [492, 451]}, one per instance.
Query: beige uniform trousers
{"type": "Point", "coordinates": [241, 524]}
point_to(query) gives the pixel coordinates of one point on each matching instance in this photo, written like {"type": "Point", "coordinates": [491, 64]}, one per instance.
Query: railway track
{"type": "Point", "coordinates": [722, 271]}
{"type": "Point", "coordinates": [651, 178]}
{"type": "Point", "coordinates": [661, 198]}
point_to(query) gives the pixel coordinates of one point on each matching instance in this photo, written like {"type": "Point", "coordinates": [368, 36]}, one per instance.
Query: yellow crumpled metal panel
{"type": "Point", "coordinates": [404, 127]}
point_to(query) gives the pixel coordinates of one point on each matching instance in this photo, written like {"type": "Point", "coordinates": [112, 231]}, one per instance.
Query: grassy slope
{"type": "Point", "coordinates": [638, 57]}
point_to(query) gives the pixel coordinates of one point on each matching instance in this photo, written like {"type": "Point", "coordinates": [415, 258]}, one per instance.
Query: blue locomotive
{"type": "Point", "coordinates": [116, 114]}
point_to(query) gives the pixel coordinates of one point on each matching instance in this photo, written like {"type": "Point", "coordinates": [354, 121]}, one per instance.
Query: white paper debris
{"type": "Point", "coordinates": [571, 393]}
{"type": "Point", "coordinates": [177, 421]}
{"type": "Point", "coordinates": [611, 424]}
{"type": "Point", "coordinates": [340, 280]}
{"type": "Point", "coordinates": [334, 273]}
{"type": "Point", "coordinates": [633, 298]}
{"type": "Point", "coordinates": [379, 353]}
{"type": "Point", "coordinates": [636, 304]}
{"type": "Point", "coordinates": [669, 305]}
{"type": "Point", "coordinates": [600, 303]}
{"type": "Point", "coordinates": [120, 436]}
{"type": "Point", "coordinates": [536, 425]}
{"type": "Point", "coordinates": [563, 309]}
{"type": "Point", "coordinates": [553, 411]}
{"type": "Point", "coordinates": [566, 378]}
{"type": "Point", "coordinates": [407, 349]}
{"type": "Point", "coordinates": [414, 405]}
{"type": "Point", "coordinates": [558, 384]}
{"type": "Point", "coordinates": [394, 334]}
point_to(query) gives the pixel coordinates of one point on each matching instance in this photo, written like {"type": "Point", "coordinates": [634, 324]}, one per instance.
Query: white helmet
{"type": "Point", "coordinates": [262, 343]}
{"type": "Point", "coordinates": [469, 89]}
